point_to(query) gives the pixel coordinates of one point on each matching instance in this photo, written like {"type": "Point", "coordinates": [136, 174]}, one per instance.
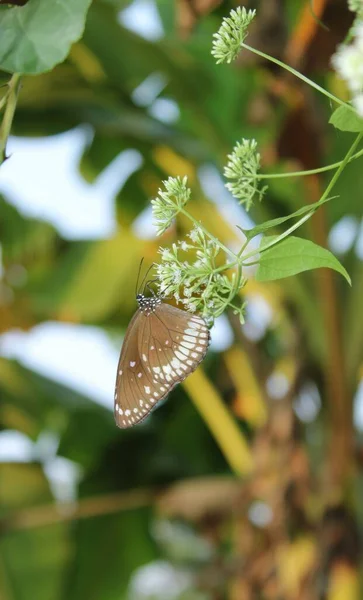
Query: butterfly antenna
{"type": "Point", "coordinates": [142, 284]}
{"type": "Point", "coordinates": [138, 277]}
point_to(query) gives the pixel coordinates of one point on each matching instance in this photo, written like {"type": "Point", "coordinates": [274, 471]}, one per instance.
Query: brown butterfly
{"type": "Point", "coordinates": [162, 346]}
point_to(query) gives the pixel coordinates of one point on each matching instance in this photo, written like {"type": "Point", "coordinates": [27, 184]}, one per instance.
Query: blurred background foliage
{"type": "Point", "coordinates": [156, 512]}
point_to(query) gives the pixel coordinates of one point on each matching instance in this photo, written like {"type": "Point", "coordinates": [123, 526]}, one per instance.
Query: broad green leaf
{"type": "Point", "coordinates": [32, 561]}
{"type": "Point", "coordinates": [24, 239]}
{"type": "Point", "coordinates": [106, 575]}
{"type": "Point", "coordinates": [294, 255]}
{"type": "Point", "coordinates": [93, 279]}
{"type": "Point", "coordinates": [251, 233]}
{"type": "Point", "coordinates": [21, 485]}
{"type": "Point", "coordinates": [35, 37]}
{"type": "Point", "coordinates": [346, 119]}
{"type": "Point", "coordinates": [36, 561]}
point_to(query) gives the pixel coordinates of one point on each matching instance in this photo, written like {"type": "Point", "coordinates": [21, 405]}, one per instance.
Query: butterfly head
{"type": "Point", "coordinates": [147, 304]}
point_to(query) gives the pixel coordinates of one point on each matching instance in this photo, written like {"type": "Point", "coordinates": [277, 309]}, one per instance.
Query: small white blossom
{"type": "Point", "coordinates": [184, 246]}
{"type": "Point", "coordinates": [165, 254]}
{"type": "Point", "coordinates": [194, 234]}
{"type": "Point", "coordinates": [348, 63]}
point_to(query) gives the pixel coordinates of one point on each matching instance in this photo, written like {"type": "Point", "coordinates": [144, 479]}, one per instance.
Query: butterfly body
{"type": "Point", "coordinates": [162, 346]}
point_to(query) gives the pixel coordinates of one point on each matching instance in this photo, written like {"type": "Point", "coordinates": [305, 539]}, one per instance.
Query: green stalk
{"type": "Point", "coordinates": [306, 217]}
{"type": "Point", "coordinates": [5, 127]}
{"type": "Point", "coordinates": [299, 75]}
{"type": "Point", "coordinates": [304, 173]}
{"type": "Point", "coordinates": [211, 237]}
{"type": "Point", "coordinates": [278, 238]}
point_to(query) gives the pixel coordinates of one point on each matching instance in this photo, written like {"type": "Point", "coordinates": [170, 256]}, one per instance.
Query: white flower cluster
{"type": "Point", "coordinates": [199, 284]}
{"type": "Point", "coordinates": [348, 63]}
{"type": "Point", "coordinates": [231, 34]}
{"type": "Point", "coordinates": [243, 165]}
{"type": "Point", "coordinates": [168, 202]}
{"type": "Point", "coordinates": [356, 6]}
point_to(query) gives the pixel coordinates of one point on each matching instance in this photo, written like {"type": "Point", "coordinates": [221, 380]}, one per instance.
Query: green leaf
{"type": "Point", "coordinates": [251, 233]}
{"type": "Point", "coordinates": [129, 546]}
{"type": "Point", "coordinates": [294, 255]}
{"type": "Point", "coordinates": [33, 561]}
{"type": "Point", "coordinates": [346, 119]}
{"type": "Point", "coordinates": [35, 37]}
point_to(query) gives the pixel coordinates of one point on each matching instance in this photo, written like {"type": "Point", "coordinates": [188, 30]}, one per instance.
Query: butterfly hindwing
{"type": "Point", "coordinates": [133, 381]}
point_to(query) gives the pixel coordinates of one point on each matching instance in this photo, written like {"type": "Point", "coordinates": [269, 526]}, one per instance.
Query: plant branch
{"type": "Point", "coordinates": [48, 514]}
{"type": "Point", "coordinates": [298, 75]}
{"type": "Point", "coordinates": [328, 189]}
{"type": "Point", "coordinates": [308, 172]}
{"type": "Point", "coordinates": [7, 121]}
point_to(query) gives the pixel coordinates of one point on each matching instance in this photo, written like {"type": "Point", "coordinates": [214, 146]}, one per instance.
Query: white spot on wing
{"type": "Point", "coordinates": [132, 363]}
{"type": "Point", "coordinates": [185, 350]}
{"type": "Point", "coordinates": [147, 389]}
{"type": "Point", "coordinates": [188, 344]}
{"type": "Point", "coordinates": [190, 338]}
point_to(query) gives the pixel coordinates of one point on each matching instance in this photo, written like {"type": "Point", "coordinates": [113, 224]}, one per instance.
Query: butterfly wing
{"type": "Point", "coordinates": [179, 342]}
{"type": "Point", "coordinates": [132, 379]}
{"type": "Point", "coordinates": [160, 350]}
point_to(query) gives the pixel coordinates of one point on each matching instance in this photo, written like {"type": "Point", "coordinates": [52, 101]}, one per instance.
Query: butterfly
{"type": "Point", "coordinates": [162, 346]}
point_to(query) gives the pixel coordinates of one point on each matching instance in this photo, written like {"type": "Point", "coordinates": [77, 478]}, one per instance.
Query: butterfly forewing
{"type": "Point", "coordinates": [162, 346]}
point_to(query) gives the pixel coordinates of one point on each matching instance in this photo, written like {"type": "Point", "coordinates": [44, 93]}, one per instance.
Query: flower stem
{"type": "Point", "coordinates": [299, 75]}
{"type": "Point", "coordinates": [207, 233]}
{"type": "Point", "coordinates": [278, 239]}
{"type": "Point", "coordinates": [10, 105]}
{"type": "Point", "coordinates": [342, 166]}
{"type": "Point", "coordinates": [332, 182]}
{"type": "Point", "coordinates": [304, 173]}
